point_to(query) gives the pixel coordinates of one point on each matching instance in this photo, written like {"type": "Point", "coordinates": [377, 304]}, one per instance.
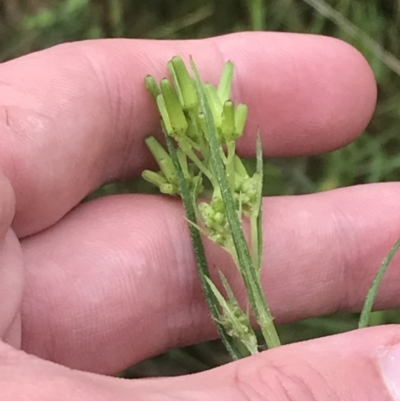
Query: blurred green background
{"type": "Point", "coordinates": [371, 26]}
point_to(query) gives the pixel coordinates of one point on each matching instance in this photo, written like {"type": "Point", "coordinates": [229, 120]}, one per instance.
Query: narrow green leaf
{"type": "Point", "coordinates": [228, 289]}
{"type": "Point", "coordinates": [233, 316]}
{"type": "Point", "coordinates": [247, 268]}
{"type": "Point", "coordinates": [214, 102]}
{"type": "Point", "coordinates": [369, 301]}
{"type": "Point", "coordinates": [260, 172]}
{"type": "Point", "coordinates": [198, 248]}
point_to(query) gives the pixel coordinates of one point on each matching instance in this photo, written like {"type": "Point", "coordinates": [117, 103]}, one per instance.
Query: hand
{"type": "Point", "coordinates": [99, 286]}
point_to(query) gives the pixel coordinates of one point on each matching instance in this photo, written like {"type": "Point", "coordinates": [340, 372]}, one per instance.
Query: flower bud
{"type": "Point", "coordinates": [152, 87]}
{"type": "Point", "coordinates": [163, 159]}
{"type": "Point", "coordinates": [165, 121]}
{"type": "Point", "coordinates": [156, 179]}
{"type": "Point", "coordinates": [169, 189]}
{"type": "Point", "coordinates": [177, 118]}
{"type": "Point", "coordinates": [185, 87]}
{"type": "Point", "coordinates": [240, 119]}
{"type": "Point", "coordinates": [225, 83]}
{"type": "Point", "coordinates": [227, 128]}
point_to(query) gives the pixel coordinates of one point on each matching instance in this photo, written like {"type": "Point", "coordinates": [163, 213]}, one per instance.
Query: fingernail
{"type": "Point", "coordinates": [389, 362]}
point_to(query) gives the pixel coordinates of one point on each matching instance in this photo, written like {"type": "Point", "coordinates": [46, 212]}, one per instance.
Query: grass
{"type": "Point", "coordinates": [371, 26]}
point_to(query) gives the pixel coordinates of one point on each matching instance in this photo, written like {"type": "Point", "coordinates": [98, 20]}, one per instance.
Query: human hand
{"type": "Point", "coordinates": [100, 286]}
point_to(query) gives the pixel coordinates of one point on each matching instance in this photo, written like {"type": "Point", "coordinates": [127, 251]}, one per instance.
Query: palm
{"type": "Point", "coordinates": [110, 282]}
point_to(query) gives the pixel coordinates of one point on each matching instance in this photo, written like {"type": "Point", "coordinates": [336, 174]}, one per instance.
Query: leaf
{"type": "Point", "coordinates": [369, 300]}
{"type": "Point", "coordinates": [260, 172]}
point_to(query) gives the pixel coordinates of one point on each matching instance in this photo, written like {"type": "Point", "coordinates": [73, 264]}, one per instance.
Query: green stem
{"type": "Point", "coordinates": [198, 248]}
{"type": "Point", "coordinates": [263, 313]}
{"type": "Point", "coordinates": [249, 272]}
{"type": "Point", "coordinates": [193, 157]}
{"type": "Point", "coordinates": [254, 240]}
{"type": "Point", "coordinates": [230, 165]}
{"type": "Point", "coordinates": [257, 14]}
{"type": "Point", "coordinates": [259, 305]}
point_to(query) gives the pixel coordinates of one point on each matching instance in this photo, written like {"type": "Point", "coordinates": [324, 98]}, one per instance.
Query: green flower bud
{"type": "Point", "coordinates": [240, 119]}
{"type": "Point", "coordinates": [227, 128]}
{"type": "Point", "coordinates": [193, 131]}
{"type": "Point", "coordinates": [225, 83]}
{"type": "Point", "coordinates": [163, 159]}
{"type": "Point", "coordinates": [250, 192]}
{"type": "Point", "coordinates": [169, 189]}
{"type": "Point", "coordinates": [204, 209]}
{"type": "Point", "coordinates": [165, 121]}
{"type": "Point", "coordinates": [167, 168]}
{"type": "Point", "coordinates": [214, 102]}
{"type": "Point", "coordinates": [185, 87]}
{"type": "Point", "coordinates": [217, 202]}
{"type": "Point", "coordinates": [177, 118]}
{"type": "Point", "coordinates": [152, 87]}
{"type": "Point", "coordinates": [156, 179]}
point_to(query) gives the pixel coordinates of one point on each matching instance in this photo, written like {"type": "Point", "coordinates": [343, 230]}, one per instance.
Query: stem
{"type": "Point", "coordinates": [230, 165]}
{"type": "Point", "coordinates": [259, 305]}
{"type": "Point", "coordinates": [245, 263]}
{"type": "Point", "coordinates": [263, 313]}
{"type": "Point", "coordinates": [257, 14]}
{"type": "Point", "coordinates": [198, 248]}
{"type": "Point", "coordinates": [254, 240]}
{"type": "Point", "coordinates": [193, 157]}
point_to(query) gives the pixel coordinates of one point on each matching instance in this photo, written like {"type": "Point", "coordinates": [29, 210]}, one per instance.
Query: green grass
{"type": "Point", "coordinates": [371, 26]}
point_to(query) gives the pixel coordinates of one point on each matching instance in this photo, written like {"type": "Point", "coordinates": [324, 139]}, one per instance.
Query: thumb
{"type": "Point", "coordinates": [359, 365]}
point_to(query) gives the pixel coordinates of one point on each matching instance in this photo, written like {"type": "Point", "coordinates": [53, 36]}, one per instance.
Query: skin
{"type": "Point", "coordinates": [87, 290]}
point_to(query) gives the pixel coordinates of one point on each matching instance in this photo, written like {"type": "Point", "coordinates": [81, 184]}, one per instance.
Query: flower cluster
{"type": "Point", "coordinates": [182, 118]}
{"type": "Point", "coordinates": [201, 125]}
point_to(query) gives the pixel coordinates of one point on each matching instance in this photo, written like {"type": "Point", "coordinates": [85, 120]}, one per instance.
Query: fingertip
{"type": "Point", "coordinates": [340, 367]}
{"type": "Point", "coordinates": [309, 93]}
{"type": "Point", "coordinates": [356, 74]}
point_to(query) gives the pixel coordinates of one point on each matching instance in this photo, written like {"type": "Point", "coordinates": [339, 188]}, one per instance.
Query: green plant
{"type": "Point", "coordinates": [201, 125]}
{"type": "Point", "coordinates": [372, 292]}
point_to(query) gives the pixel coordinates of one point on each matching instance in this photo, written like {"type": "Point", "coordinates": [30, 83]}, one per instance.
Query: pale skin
{"type": "Point", "coordinates": [88, 290]}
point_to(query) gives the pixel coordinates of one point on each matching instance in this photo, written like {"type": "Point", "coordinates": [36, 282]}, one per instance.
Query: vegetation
{"type": "Point", "coordinates": [371, 26]}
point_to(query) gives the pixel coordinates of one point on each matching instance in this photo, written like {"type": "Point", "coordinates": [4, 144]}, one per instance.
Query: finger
{"type": "Point", "coordinates": [360, 365]}
{"type": "Point", "coordinates": [118, 274]}
{"type": "Point", "coordinates": [75, 116]}
{"type": "Point", "coordinates": [11, 269]}
{"type": "Point", "coordinates": [24, 377]}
